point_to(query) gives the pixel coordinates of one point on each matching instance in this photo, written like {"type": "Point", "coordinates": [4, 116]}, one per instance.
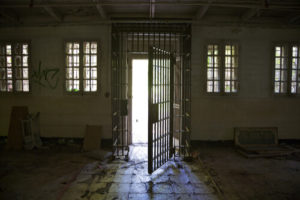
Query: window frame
{"type": "Point", "coordinates": [288, 45]}
{"type": "Point", "coordinates": [14, 92]}
{"type": "Point", "coordinates": [81, 92]}
{"type": "Point", "coordinates": [222, 44]}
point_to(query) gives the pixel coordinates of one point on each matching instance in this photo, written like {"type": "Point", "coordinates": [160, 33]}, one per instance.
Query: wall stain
{"type": "Point", "coordinates": [47, 77]}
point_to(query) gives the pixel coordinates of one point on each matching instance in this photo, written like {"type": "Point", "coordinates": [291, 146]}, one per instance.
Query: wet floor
{"type": "Point", "coordinates": [130, 180]}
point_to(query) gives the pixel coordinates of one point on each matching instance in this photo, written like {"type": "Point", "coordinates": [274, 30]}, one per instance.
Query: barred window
{"type": "Point", "coordinates": [222, 68]}
{"type": "Point", "coordinates": [295, 74]}
{"type": "Point", "coordinates": [81, 66]}
{"type": "Point", "coordinates": [90, 67]}
{"type": "Point", "coordinates": [280, 70]}
{"type": "Point", "coordinates": [231, 64]}
{"type": "Point", "coordinates": [287, 69]}
{"type": "Point", "coordinates": [14, 67]}
{"type": "Point", "coordinates": [72, 70]}
{"type": "Point", "coordinates": [213, 68]}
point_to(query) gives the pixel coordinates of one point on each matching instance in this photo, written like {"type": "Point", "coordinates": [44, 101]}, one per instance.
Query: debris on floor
{"type": "Point", "coordinates": [124, 180]}
{"type": "Point", "coordinates": [92, 138]}
{"type": "Point", "coordinates": [15, 139]}
{"type": "Point", "coordinates": [100, 154]}
{"type": "Point", "coordinates": [260, 142]}
{"type": "Point", "coordinates": [67, 173]}
{"type": "Point", "coordinates": [31, 131]}
{"type": "Point", "coordinates": [262, 178]}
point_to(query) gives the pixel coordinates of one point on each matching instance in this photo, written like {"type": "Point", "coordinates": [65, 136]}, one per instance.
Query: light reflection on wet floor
{"type": "Point", "coordinates": [130, 180]}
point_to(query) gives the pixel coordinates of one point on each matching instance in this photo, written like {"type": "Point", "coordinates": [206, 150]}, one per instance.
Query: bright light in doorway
{"type": "Point", "coordinates": [139, 101]}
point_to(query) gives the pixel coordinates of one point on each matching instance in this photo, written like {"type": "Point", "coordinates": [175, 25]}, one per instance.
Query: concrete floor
{"type": "Point", "coordinates": [65, 173]}
{"type": "Point", "coordinates": [241, 178]}
{"type": "Point", "coordinates": [122, 180]}
{"type": "Point", "coordinates": [130, 180]}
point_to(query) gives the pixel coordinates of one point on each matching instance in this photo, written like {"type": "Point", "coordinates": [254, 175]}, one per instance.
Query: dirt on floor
{"type": "Point", "coordinates": [252, 178]}
{"type": "Point", "coordinates": [38, 174]}
{"type": "Point", "coordinates": [46, 173]}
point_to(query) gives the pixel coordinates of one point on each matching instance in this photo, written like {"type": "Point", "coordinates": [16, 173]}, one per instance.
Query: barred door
{"type": "Point", "coordinates": [160, 121]}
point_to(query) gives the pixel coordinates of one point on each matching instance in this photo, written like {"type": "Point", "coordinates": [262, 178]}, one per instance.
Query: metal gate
{"type": "Point", "coordinates": [136, 38]}
{"type": "Point", "coordinates": [119, 77]}
{"type": "Point", "coordinates": [160, 120]}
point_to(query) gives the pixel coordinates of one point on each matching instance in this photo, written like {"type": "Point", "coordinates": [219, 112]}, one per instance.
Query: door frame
{"type": "Point", "coordinates": [130, 58]}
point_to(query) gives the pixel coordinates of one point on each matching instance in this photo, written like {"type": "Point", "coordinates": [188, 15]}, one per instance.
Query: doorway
{"type": "Point", "coordinates": [139, 110]}
{"type": "Point", "coordinates": [169, 103]}
{"type": "Point", "coordinates": [139, 101]}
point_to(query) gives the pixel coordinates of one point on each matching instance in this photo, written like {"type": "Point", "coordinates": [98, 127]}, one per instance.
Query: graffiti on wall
{"type": "Point", "coordinates": [47, 77]}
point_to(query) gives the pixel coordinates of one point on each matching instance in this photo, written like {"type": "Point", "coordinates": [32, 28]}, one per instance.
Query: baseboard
{"type": "Point", "coordinates": [107, 142]}
{"type": "Point", "coordinates": [195, 143]}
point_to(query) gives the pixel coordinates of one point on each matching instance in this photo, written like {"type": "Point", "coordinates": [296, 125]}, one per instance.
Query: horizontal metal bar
{"type": "Point", "coordinates": [236, 4]}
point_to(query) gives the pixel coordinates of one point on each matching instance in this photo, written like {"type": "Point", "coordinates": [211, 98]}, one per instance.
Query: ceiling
{"type": "Point", "coordinates": [56, 12]}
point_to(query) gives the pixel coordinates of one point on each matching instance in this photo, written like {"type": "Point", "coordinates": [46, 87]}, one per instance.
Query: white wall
{"type": "Point", "coordinates": [213, 117]}
{"type": "Point", "coordinates": [62, 115]}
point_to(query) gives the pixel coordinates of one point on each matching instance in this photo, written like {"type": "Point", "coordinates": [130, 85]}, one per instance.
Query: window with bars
{"type": "Point", "coordinates": [287, 69]}
{"type": "Point", "coordinates": [222, 68]}
{"type": "Point", "coordinates": [81, 66]}
{"type": "Point", "coordinates": [213, 68]}
{"type": "Point", "coordinates": [14, 67]}
{"type": "Point", "coordinates": [295, 73]}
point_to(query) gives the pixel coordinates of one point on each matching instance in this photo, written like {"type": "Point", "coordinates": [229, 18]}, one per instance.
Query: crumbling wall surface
{"type": "Point", "coordinates": [62, 114]}
{"type": "Point", "coordinates": [255, 105]}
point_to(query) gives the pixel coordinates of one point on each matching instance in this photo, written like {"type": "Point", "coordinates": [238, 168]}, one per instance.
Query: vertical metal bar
{"type": "Point", "coordinates": [138, 41]}
{"type": "Point", "coordinates": [231, 68]}
{"type": "Point", "coordinates": [171, 103]}
{"type": "Point", "coordinates": [150, 98]}
{"type": "Point", "coordinates": [132, 41]}
{"type": "Point", "coordinates": [160, 99]}
{"type": "Point", "coordinates": [118, 89]}
{"type": "Point", "coordinates": [157, 55]}
{"type": "Point", "coordinates": [221, 51]}
{"type": "Point", "coordinates": [168, 104]}
{"type": "Point", "coordinates": [183, 58]}
{"type": "Point", "coordinates": [129, 92]}
{"type": "Point", "coordinates": [121, 92]}
{"type": "Point", "coordinates": [124, 36]}
{"type": "Point", "coordinates": [154, 132]}
{"type": "Point", "coordinates": [112, 91]}
{"type": "Point", "coordinates": [289, 69]}
{"type": "Point", "coordinates": [165, 100]}
{"type": "Point", "coordinates": [148, 42]}
{"type": "Point", "coordinates": [214, 67]}
{"type": "Point", "coordinates": [167, 120]}
{"type": "Point", "coordinates": [143, 31]}
{"type": "Point", "coordinates": [188, 94]}
{"type": "Point", "coordinates": [155, 99]}
{"type": "Point", "coordinates": [167, 71]}
{"type": "Point", "coordinates": [179, 41]}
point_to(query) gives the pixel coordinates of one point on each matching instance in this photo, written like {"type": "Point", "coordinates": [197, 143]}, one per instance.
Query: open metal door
{"type": "Point", "coordinates": [160, 105]}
